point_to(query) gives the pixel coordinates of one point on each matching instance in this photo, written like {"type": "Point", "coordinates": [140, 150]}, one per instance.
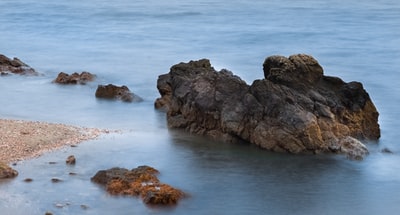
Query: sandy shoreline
{"type": "Point", "coordinates": [21, 140]}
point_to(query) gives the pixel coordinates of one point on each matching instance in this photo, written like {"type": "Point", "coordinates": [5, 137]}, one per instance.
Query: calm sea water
{"type": "Point", "coordinates": [132, 42]}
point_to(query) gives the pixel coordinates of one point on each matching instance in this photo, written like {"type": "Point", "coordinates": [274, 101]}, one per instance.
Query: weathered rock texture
{"type": "Point", "coordinates": [74, 78]}
{"type": "Point", "coordinates": [141, 181]}
{"type": "Point", "coordinates": [6, 171]}
{"type": "Point", "coordinates": [111, 91]}
{"type": "Point", "coordinates": [15, 66]}
{"type": "Point", "coordinates": [294, 109]}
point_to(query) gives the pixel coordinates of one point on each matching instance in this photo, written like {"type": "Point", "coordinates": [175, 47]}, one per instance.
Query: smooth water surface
{"type": "Point", "coordinates": [132, 42]}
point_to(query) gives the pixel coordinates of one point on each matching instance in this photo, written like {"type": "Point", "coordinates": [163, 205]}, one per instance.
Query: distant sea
{"type": "Point", "coordinates": [130, 43]}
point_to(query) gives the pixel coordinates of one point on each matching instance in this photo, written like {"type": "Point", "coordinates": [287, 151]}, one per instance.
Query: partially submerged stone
{"type": "Point", "coordinates": [141, 181]}
{"type": "Point", "coordinates": [15, 66]}
{"type": "Point", "coordinates": [71, 160]}
{"type": "Point", "coordinates": [114, 92]}
{"type": "Point", "coordinates": [295, 109]}
{"type": "Point", "coordinates": [7, 172]}
{"type": "Point", "coordinates": [74, 78]}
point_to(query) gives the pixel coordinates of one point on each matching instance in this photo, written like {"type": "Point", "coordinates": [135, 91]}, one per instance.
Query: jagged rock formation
{"type": "Point", "coordinates": [15, 66]}
{"type": "Point", "coordinates": [294, 109]}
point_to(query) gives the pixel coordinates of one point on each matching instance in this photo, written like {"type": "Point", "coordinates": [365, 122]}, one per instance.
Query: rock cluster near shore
{"type": "Point", "coordinates": [110, 91]}
{"type": "Point", "coordinates": [295, 109]}
{"type": "Point", "coordinates": [141, 181]}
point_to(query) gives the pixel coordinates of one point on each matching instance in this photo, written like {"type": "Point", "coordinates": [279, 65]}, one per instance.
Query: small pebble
{"type": "Point", "coordinates": [59, 205]}
{"type": "Point", "coordinates": [28, 180]}
{"type": "Point", "coordinates": [55, 180]}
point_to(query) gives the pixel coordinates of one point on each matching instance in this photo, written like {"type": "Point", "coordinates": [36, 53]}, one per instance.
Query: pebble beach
{"type": "Point", "coordinates": [20, 140]}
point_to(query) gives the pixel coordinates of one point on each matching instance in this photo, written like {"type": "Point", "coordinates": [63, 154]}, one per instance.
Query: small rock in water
{"type": "Point", "coordinates": [28, 180]}
{"type": "Point", "coordinates": [59, 205]}
{"type": "Point", "coordinates": [74, 78]}
{"type": "Point", "coordinates": [386, 150]}
{"type": "Point", "coordinates": [7, 172]}
{"type": "Point", "coordinates": [71, 160]}
{"type": "Point", "coordinates": [56, 180]}
{"type": "Point", "coordinates": [122, 93]}
{"type": "Point", "coordinates": [141, 181]}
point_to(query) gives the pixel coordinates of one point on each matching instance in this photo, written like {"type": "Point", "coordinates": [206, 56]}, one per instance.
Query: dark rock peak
{"type": "Point", "coordinates": [296, 70]}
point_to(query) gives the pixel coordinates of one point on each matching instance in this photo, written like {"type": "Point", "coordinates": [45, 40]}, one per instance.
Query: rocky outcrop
{"type": "Point", "coordinates": [15, 66]}
{"type": "Point", "coordinates": [122, 93]}
{"type": "Point", "coordinates": [74, 78]}
{"type": "Point", "coordinates": [6, 171]}
{"type": "Point", "coordinates": [141, 181]}
{"type": "Point", "coordinates": [295, 109]}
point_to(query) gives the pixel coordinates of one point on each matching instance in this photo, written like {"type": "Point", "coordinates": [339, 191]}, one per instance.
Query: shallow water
{"type": "Point", "coordinates": [132, 42]}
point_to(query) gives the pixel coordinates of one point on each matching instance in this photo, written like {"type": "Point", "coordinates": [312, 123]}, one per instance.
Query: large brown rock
{"type": "Point", "coordinates": [141, 181]}
{"type": "Point", "coordinates": [15, 66]}
{"type": "Point", "coordinates": [111, 91]}
{"type": "Point", "coordinates": [294, 109]}
{"type": "Point", "coordinates": [74, 78]}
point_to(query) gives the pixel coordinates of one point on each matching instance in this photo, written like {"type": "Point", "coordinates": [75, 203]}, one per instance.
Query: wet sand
{"type": "Point", "coordinates": [20, 140]}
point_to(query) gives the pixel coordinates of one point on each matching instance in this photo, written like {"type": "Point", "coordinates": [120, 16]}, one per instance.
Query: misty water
{"type": "Point", "coordinates": [130, 43]}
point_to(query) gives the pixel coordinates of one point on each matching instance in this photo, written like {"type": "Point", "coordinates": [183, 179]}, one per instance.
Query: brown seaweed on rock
{"type": "Point", "coordinates": [141, 181]}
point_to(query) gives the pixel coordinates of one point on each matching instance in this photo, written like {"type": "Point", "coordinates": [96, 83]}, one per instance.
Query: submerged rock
{"type": "Point", "coordinates": [15, 66]}
{"type": "Point", "coordinates": [141, 181]}
{"type": "Point", "coordinates": [56, 180]}
{"type": "Point", "coordinates": [7, 172]}
{"type": "Point", "coordinates": [111, 91]}
{"type": "Point", "coordinates": [295, 109]}
{"type": "Point", "coordinates": [74, 78]}
{"type": "Point", "coordinates": [387, 150]}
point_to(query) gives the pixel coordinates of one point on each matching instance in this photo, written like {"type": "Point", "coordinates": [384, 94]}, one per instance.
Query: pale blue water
{"type": "Point", "coordinates": [132, 42]}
